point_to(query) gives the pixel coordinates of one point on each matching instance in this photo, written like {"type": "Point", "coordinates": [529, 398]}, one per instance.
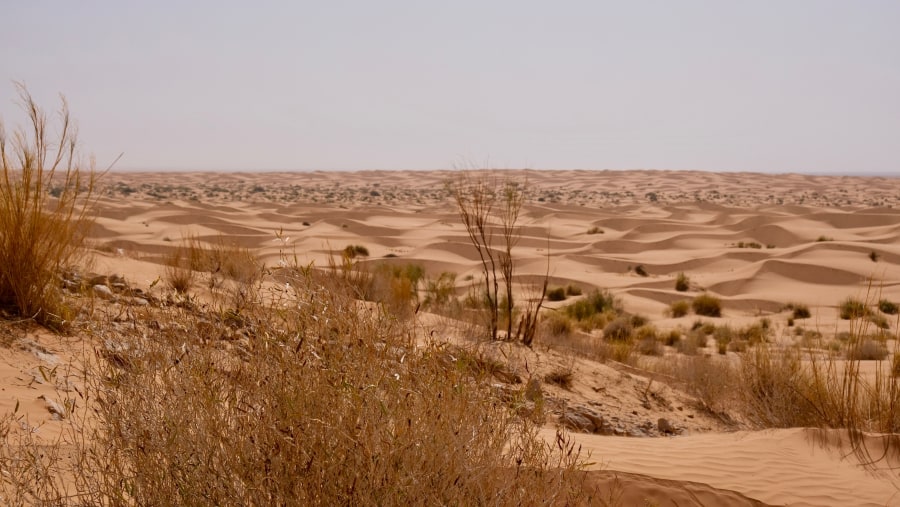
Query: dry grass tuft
{"type": "Point", "coordinates": [46, 195]}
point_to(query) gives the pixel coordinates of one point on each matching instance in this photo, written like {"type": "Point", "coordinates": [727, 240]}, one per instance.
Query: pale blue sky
{"type": "Point", "coordinates": [778, 86]}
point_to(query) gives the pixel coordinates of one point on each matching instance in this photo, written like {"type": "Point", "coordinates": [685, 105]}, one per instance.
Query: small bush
{"type": "Point", "coordinates": [557, 324]}
{"type": "Point", "coordinates": [867, 350]}
{"type": "Point", "coordinates": [592, 304]}
{"type": "Point", "coordinates": [888, 307]}
{"type": "Point", "coordinates": [672, 337]}
{"type": "Point", "coordinates": [707, 305]}
{"type": "Point", "coordinates": [879, 320]}
{"type": "Point", "coordinates": [800, 311]}
{"type": "Point", "coordinates": [556, 294]}
{"type": "Point", "coordinates": [573, 290]}
{"type": "Point", "coordinates": [873, 255]}
{"type": "Point", "coordinates": [618, 330]}
{"type": "Point", "coordinates": [821, 239]}
{"type": "Point", "coordinates": [595, 230]}
{"type": "Point", "coordinates": [641, 271]}
{"type": "Point", "coordinates": [852, 308]}
{"type": "Point", "coordinates": [682, 283]}
{"type": "Point", "coordinates": [649, 347]}
{"type": "Point", "coordinates": [679, 308]}
{"type": "Point", "coordinates": [352, 251]}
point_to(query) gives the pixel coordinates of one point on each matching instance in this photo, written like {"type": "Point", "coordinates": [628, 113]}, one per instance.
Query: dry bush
{"type": "Point", "coordinates": [46, 194]}
{"type": "Point", "coordinates": [178, 273]}
{"type": "Point", "coordinates": [620, 329]}
{"type": "Point", "coordinates": [888, 307]}
{"type": "Point", "coordinates": [556, 324]}
{"type": "Point", "coordinates": [556, 294]}
{"type": "Point", "coordinates": [852, 308]}
{"type": "Point", "coordinates": [707, 305]}
{"type": "Point", "coordinates": [711, 380]}
{"type": "Point", "coordinates": [322, 400]}
{"type": "Point", "coordinates": [682, 283]}
{"type": "Point", "coordinates": [679, 308]}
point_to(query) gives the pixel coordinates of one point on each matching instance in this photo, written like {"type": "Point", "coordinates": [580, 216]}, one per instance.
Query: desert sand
{"type": "Point", "coordinates": [757, 241]}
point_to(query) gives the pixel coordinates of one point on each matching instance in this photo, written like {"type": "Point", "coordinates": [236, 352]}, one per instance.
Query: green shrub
{"type": "Point", "coordinates": [707, 305]}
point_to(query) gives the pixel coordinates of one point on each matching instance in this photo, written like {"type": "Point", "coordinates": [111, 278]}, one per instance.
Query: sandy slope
{"type": "Point", "coordinates": [667, 222]}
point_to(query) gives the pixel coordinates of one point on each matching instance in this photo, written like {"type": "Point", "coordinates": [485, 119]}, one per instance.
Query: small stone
{"type": "Point", "coordinates": [98, 280]}
{"type": "Point", "coordinates": [102, 291]}
{"type": "Point", "coordinates": [577, 422]}
{"type": "Point", "coordinates": [56, 410]}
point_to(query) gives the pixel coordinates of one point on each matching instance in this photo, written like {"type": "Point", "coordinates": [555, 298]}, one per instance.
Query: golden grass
{"type": "Point", "coordinates": [46, 194]}
{"type": "Point", "coordinates": [313, 398]}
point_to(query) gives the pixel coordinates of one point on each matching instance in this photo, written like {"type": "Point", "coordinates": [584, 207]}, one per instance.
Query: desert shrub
{"type": "Point", "coordinates": [867, 350]}
{"type": "Point", "coordinates": [682, 283]}
{"type": "Point", "coordinates": [329, 403]}
{"type": "Point", "coordinates": [641, 271]}
{"type": "Point", "coordinates": [440, 291]}
{"type": "Point", "coordinates": [573, 290]}
{"type": "Point", "coordinates": [649, 347]}
{"type": "Point", "coordinates": [692, 343]}
{"type": "Point", "coordinates": [178, 273]}
{"type": "Point", "coordinates": [556, 294]}
{"type": "Point", "coordinates": [557, 324]}
{"type": "Point", "coordinates": [879, 320]}
{"type": "Point", "coordinates": [873, 256]}
{"type": "Point", "coordinates": [594, 303]}
{"type": "Point", "coordinates": [709, 379]}
{"type": "Point", "coordinates": [790, 322]}
{"type": "Point", "coordinates": [753, 333]}
{"type": "Point", "coordinates": [800, 311]}
{"type": "Point", "coordinates": [619, 329]}
{"type": "Point", "coordinates": [888, 307]}
{"type": "Point", "coordinates": [638, 320]}
{"type": "Point", "coordinates": [595, 230]}
{"type": "Point", "coordinates": [46, 196]}
{"type": "Point", "coordinates": [821, 239]}
{"type": "Point", "coordinates": [352, 251]}
{"type": "Point", "coordinates": [672, 337]}
{"type": "Point", "coordinates": [852, 308]}
{"type": "Point", "coordinates": [679, 308]}
{"type": "Point", "coordinates": [707, 305]}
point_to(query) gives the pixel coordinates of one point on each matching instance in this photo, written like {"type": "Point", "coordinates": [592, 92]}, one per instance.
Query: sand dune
{"type": "Point", "coordinates": [778, 467]}
{"type": "Point", "coordinates": [752, 239]}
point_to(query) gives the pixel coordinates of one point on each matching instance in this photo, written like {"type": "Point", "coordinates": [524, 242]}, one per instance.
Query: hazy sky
{"type": "Point", "coordinates": [804, 86]}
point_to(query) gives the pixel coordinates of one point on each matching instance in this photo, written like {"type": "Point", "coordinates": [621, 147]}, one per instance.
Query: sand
{"type": "Point", "coordinates": [756, 241]}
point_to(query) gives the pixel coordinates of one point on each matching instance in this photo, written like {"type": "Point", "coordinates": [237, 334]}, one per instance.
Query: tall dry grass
{"type": "Point", "coordinates": [311, 398]}
{"type": "Point", "coordinates": [46, 195]}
